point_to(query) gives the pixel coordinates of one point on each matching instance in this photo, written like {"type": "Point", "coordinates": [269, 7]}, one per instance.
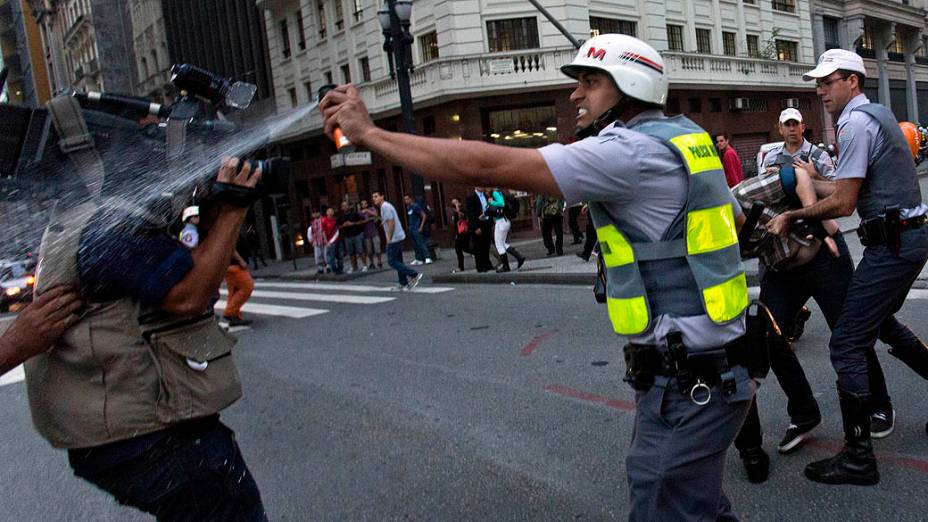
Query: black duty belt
{"type": "Point", "coordinates": [695, 372]}
{"type": "Point", "coordinates": [886, 228]}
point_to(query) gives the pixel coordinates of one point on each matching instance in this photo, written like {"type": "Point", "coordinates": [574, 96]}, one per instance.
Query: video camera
{"type": "Point", "coordinates": [151, 134]}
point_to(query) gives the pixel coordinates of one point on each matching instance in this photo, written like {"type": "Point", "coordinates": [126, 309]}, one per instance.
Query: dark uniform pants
{"type": "Point", "coordinates": [877, 291]}
{"type": "Point", "coordinates": [677, 456]}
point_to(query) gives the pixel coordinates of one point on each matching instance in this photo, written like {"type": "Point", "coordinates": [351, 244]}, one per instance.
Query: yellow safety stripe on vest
{"type": "Point", "coordinates": [710, 229]}
{"type": "Point", "coordinates": [699, 152]}
{"type": "Point", "coordinates": [629, 316]}
{"type": "Point", "coordinates": [725, 301]}
{"type": "Point", "coordinates": [614, 247]}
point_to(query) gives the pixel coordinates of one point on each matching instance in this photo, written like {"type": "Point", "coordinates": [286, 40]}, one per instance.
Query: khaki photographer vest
{"type": "Point", "coordinates": [124, 370]}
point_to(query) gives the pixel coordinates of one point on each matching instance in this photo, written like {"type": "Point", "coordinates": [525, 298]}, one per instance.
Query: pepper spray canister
{"type": "Point", "coordinates": [342, 143]}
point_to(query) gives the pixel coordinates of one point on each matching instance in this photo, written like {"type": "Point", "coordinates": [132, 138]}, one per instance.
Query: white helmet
{"type": "Point", "coordinates": [636, 68]}
{"type": "Point", "coordinates": [190, 212]}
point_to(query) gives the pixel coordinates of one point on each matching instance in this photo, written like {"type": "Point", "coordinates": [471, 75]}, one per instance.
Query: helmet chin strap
{"type": "Point", "coordinates": [605, 119]}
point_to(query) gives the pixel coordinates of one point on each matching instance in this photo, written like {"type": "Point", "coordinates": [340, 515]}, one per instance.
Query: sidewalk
{"type": "Point", "coordinates": [539, 269]}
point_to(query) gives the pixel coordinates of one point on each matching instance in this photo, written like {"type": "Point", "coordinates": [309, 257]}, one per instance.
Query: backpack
{"type": "Point", "coordinates": [429, 216]}
{"type": "Point", "coordinates": [511, 208]}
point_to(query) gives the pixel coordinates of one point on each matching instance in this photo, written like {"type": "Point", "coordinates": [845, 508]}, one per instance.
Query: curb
{"type": "Point", "coordinates": [528, 278]}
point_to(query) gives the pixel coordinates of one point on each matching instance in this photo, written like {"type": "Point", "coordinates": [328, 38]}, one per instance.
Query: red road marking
{"type": "Point", "coordinates": [530, 347]}
{"type": "Point", "coordinates": [825, 446]}
{"type": "Point", "coordinates": [591, 397]}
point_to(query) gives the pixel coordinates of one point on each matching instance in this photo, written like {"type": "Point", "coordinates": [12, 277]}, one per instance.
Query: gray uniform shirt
{"type": "Point", "coordinates": [858, 141]}
{"type": "Point", "coordinates": [640, 181]}
{"type": "Point", "coordinates": [822, 161]}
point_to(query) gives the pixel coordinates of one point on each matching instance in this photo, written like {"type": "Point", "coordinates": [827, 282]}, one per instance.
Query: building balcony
{"type": "Point", "coordinates": [539, 69]}
{"type": "Point", "coordinates": [710, 71]}
{"type": "Point", "coordinates": [453, 77]}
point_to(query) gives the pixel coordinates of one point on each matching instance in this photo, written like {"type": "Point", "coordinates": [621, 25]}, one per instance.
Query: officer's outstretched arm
{"type": "Point", "coordinates": [192, 294]}
{"type": "Point", "coordinates": [467, 162]}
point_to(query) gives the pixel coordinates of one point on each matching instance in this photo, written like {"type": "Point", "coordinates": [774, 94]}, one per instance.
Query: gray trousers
{"type": "Point", "coordinates": [677, 455]}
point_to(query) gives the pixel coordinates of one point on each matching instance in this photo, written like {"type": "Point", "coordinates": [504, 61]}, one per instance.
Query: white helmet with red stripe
{"type": "Point", "coordinates": [636, 68]}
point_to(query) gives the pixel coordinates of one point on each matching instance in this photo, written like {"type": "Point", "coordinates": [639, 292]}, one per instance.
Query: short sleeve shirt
{"type": "Point", "coordinates": [387, 213]}
{"type": "Point", "coordinates": [639, 181]}
{"type": "Point", "coordinates": [824, 165]}
{"type": "Point", "coordinates": [119, 258]}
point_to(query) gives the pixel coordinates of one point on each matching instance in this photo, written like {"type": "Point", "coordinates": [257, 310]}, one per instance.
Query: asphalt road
{"type": "Point", "coordinates": [481, 402]}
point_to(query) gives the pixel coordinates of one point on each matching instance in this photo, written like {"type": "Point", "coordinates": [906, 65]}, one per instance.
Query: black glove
{"type": "Point", "coordinates": [235, 195]}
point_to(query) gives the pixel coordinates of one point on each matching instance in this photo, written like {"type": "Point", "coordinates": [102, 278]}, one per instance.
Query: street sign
{"type": "Point", "coordinates": [351, 159]}
{"type": "Point", "coordinates": [506, 66]}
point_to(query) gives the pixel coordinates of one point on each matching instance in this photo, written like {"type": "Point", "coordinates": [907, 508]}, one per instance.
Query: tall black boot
{"type": "Point", "coordinates": [520, 259]}
{"type": "Point", "coordinates": [855, 464]}
{"type": "Point", "coordinates": [504, 264]}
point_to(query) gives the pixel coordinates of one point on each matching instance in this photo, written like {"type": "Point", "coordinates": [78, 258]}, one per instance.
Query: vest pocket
{"type": "Point", "coordinates": [197, 373]}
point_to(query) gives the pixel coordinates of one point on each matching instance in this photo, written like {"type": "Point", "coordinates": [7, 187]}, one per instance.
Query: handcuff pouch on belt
{"type": "Point", "coordinates": [885, 229]}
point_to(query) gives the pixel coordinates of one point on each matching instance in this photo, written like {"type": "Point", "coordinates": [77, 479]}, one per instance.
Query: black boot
{"type": "Point", "coordinates": [503, 265]}
{"type": "Point", "coordinates": [520, 259]}
{"type": "Point", "coordinates": [855, 464]}
{"type": "Point", "coordinates": [756, 464]}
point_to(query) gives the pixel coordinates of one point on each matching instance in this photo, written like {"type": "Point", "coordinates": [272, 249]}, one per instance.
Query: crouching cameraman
{"type": "Point", "coordinates": [134, 389]}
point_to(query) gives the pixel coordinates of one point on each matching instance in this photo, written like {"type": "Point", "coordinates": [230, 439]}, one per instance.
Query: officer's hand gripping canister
{"type": "Point", "coordinates": [341, 142]}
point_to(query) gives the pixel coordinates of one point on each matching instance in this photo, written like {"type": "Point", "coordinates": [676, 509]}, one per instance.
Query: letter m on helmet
{"type": "Point", "coordinates": [596, 53]}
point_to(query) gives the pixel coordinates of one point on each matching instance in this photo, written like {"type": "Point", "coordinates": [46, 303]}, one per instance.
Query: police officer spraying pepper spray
{"type": "Point", "coordinates": [667, 226]}
{"type": "Point", "coordinates": [875, 175]}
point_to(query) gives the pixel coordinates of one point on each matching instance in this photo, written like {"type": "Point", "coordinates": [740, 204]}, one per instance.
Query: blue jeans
{"type": "Point", "coordinates": [395, 260]}
{"type": "Point", "coordinates": [877, 291]}
{"type": "Point", "coordinates": [193, 473]}
{"type": "Point", "coordinates": [419, 245]}
{"type": "Point", "coordinates": [335, 254]}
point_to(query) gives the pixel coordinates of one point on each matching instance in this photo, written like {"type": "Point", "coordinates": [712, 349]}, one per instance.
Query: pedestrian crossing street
{"type": "Point", "coordinates": [267, 296]}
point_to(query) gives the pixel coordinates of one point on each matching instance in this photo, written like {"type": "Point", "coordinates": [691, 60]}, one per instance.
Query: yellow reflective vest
{"type": "Point", "coordinates": [703, 253]}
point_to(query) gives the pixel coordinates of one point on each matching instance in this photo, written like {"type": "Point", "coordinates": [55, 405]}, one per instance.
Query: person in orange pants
{"type": "Point", "coordinates": [240, 285]}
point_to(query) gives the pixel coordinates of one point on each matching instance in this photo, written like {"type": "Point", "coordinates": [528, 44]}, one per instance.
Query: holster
{"type": "Point", "coordinates": [760, 326]}
{"type": "Point", "coordinates": [885, 229]}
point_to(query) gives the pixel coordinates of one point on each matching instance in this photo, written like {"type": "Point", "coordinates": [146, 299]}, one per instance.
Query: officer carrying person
{"type": "Point", "coordinates": [796, 268]}
{"type": "Point", "coordinates": [876, 175]}
{"type": "Point", "coordinates": [678, 292]}
{"type": "Point", "coordinates": [134, 388]}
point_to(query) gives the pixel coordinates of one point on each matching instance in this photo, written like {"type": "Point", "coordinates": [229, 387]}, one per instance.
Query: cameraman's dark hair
{"type": "Point", "coordinates": [861, 77]}
{"type": "Point", "coordinates": [725, 135]}
{"type": "Point", "coordinates": [376, 192]}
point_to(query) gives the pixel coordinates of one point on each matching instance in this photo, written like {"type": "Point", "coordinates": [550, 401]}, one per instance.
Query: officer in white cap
{"type": "Point", "coordinates": [876, 176]}
{"type": "Point", "coordinates": [796, 150]}
{"type": "Point", "coordinates": [190, 235]}
{"type": "Point", "coordinates": [665, 221]}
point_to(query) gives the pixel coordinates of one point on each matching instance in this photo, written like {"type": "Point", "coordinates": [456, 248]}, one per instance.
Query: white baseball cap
{"type": "Point", "coordinates": [834, 59]}
{"type": "Point", "coordinates": [790, 114]}
{"type": "Point", "coordinates": [190, 212]}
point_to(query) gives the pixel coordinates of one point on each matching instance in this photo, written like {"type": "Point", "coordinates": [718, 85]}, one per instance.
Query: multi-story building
{"type": "Point", "coordinates": [889, 35]}
{"type": "Point", "coordinates": [22, 54]}
{"type": "Point", "coordinates": [149, 42]}
{"type": "Point", "coordinates": [489, 70]}
{"type": "Point", "coordinates": [228, 37]}
{"type": "Point", "coordinates": [88, 44]}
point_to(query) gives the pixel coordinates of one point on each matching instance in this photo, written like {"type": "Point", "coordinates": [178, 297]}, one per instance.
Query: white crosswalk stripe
{"type": "Point", "coordinates": [351, 288]}
{"type": "Point", "coordinates": [296, 312]}
{"type": "Point", "coordinates": [307, 296]}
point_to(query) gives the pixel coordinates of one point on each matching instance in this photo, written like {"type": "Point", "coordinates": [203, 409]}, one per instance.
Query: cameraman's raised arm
{"type": "Point", "coordinates": [191, 294]}
{"type": "Point", "coordinates": [119, 256]}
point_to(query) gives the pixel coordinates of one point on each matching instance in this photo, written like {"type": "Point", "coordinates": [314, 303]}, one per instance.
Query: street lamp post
{"type": "Point", "coordinates": [394, 20]}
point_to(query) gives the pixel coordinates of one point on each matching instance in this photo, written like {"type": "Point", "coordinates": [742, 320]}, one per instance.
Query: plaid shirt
{"type": "Point", "coordinates": [770, 249]}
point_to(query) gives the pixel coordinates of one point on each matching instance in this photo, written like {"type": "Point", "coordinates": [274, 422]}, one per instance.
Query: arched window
{"type": "Point", "coordinates": [144, 70]}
